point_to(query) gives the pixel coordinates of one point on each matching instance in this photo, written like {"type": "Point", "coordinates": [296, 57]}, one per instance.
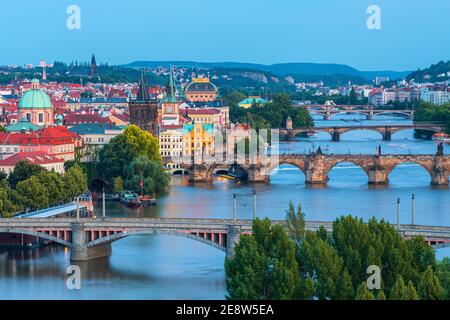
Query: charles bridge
{"type": "Point", "coordinates": [91, 238]}
{"type": "Point", "coordinates": [316, 166]}
{"type": "Point", "coordinates": [385, 130]}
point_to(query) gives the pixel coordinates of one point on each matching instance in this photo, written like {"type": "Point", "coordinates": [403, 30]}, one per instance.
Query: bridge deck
{"type": "Point", "coordinates": [442, 232]}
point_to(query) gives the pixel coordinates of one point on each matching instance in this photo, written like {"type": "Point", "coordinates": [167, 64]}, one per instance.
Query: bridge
{"type": "Point", "coordinates": [328, 110]}
{"type": "Point", "coordinates": [91, 238]}
{"type": "Point", "coordinates": [336, 131]}
{"type": "Point", "coordinates": [317, 165]}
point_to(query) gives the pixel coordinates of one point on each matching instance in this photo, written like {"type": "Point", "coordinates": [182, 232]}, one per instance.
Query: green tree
{"type": "Point", "coordinates": [430, 287]}
{"type": "Point", "coordinates": [264, 265]}
{"type": "Point", "coordinates": [411, 292]}
{"type": "Point", "coordinates": [443, 273]}
{"type": "Point", "coordinates": [151, 172]}
{"type": "Point", "coordinates": [362, 293]}
{"type": "Point", "coordinates": [54, 184]}
{"type": "Point", "coordinates": [122, 149]}
{"type": "Point", "coordinates": [33, 194]}
{"type": "Point", "coordinates": [344, 287]}
{"type": "Point", "coordinates": [7, 206]}
{"type": "Point", "coordinates": [398, 292]}
{"type": "Point", "coordinates": [117, 184]}
{"type": "Point", "coordinates": [22, 171]}
{"type": "Point", "coordinates": [295, 223]}
{"type": "Point", "coordinates": [75, 182]}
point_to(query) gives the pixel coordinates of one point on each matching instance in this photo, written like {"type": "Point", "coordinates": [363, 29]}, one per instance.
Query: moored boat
{"type": "Point", "coordinates": [130, 199]}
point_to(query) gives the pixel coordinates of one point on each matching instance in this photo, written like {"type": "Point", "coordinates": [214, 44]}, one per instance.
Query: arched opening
{"type": "Point", "coordinates": [347, 174]}
{"type": "Point", "coordinates": [180, 172]}
{"type": "Point", "coordinates": [315, 115]}
{"type": "Point", "coordinates": [287, 174]}
{"type": "Point", "coordinates": [361, 135]}
{"type": "Point", "coordinates": [219, 172]}
{"type": "Point", "coordinates": [97, 185]}
{"type": "Point", "coordinates": [409, 174]}
{"type": "Point", "coordinates": [391, 116]}
{"type": "Point", "coordinates": [350, 116]}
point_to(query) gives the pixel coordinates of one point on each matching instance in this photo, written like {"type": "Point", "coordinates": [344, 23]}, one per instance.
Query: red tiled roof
{"type": "Point", "coordinates": [37, 157]}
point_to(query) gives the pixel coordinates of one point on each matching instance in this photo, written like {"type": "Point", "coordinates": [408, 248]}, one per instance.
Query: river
{"type": "Point", "coordinates": [170, 267]}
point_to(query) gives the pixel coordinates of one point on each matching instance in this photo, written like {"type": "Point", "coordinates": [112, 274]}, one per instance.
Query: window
{"type": "Point", "coordinates": [41, 117]}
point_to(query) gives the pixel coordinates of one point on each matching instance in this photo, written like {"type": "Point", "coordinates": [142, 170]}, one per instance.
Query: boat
{"type": "Point", "coordinates": [148, 200]}
{"type": "Point", "coordinates": [108, 196]}
{"type": "Point", "coordinates": [130, 199]}
{"type": "Point", "coordinates": [311, 134]}
{"type": "Point", "coordinates": [440, 136]}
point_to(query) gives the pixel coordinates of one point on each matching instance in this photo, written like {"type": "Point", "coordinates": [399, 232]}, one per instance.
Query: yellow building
{"type": "Point", "coordinates": [198, 139]}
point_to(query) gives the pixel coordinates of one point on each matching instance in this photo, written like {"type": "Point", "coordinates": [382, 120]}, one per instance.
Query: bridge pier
{"type": "Point", "coordinates": [439, 176]}
{"type": "Point", "coordinates": [378, 176]}
{"type": "Point", "coordinates": [315, 170]}
{"type": "Point", "coordinates": [387, 136]}
{"type": "Point", "coordinates": [80, 251]}
{"type": "Point", "coordinates": [199, 173]}
{"type": "Point", "coordinates": [257, 174]}
{"type": "Point", "coordinates": [233, 236]}
{"type": "Point", "coordinates": [336, 136]}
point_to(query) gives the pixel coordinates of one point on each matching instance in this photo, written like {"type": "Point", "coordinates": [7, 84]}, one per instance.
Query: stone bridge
{"type": "Point", "coordinates": [327, 111]}
{"type": "Point", "coordinates": [91, 238]}
{"type": "Point", "coordinates": [316, 166]}
{"type": "Point", "coordinates": [385, 131]}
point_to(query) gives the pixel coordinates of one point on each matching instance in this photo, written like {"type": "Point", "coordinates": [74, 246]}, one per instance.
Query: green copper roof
{"type": "Point", "coordinates": [170, 90]}
{"type": "Point", "coordinates": [22, 125]}
{"type": "Point", "coordinates": [35, 99]}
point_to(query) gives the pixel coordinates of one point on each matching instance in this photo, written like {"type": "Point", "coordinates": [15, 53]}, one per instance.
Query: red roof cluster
{"type": "Point", "coordinates": [37, 157]}
{"type": "Point", "coordinates": [47, 136]}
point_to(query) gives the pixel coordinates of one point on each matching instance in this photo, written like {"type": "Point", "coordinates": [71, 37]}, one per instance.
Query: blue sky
{"type": "Point", "coordinates": [413, 33]}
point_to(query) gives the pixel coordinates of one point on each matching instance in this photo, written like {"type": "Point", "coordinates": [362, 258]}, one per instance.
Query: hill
{"type": "Point", "coordinates": [434, 73]}
{"type": "Point", "coordinates": [280, 69]}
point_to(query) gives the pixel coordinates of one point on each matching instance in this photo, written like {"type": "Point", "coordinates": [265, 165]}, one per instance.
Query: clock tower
{"type": "Point", "coordinates": [170, 104]}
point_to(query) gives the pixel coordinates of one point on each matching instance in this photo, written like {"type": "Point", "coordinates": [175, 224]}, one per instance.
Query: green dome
{"type": "Point", "coordinates": [35, 98]}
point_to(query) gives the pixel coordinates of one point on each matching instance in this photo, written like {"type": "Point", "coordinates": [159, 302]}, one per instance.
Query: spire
{"type": "Point", "coordinates": [143, 90]}
{"type": "Point", "coordinates": [170, 87]}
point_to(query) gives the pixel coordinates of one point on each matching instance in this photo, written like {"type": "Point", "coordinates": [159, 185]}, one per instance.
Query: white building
{"type": "Point", "coordinates": [435, 97]}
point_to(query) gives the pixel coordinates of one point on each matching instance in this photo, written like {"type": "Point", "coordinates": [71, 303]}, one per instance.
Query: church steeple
{"type": "Point", "coordinates": [170, 89]}
{"type": "Point", "coordinates": [143, 94]}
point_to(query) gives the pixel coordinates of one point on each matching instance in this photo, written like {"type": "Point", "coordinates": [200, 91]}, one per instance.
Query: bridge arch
{"type": "Point", "coordinates": [340, 112]}
{"type": "Point", "coordinates": [361, 167]}
{"type": "Point", "coordinates": [121, 235]}
{"type": "Point", "coordinates": [356, 128]}
{"type": "Point", "coordinates": [426, 167]}
{"type": "Point", "coordinates": [393, 112]}
{"type": "Point", "coordinates": [38, 234]}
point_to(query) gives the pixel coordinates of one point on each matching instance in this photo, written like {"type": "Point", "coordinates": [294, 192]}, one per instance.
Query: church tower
{"type": "Point", "coordinates": [93, 67]}
{"type": "Point", "coordinates": [170, 105]}
{"type": "Point", "coordinates": [143, 110]}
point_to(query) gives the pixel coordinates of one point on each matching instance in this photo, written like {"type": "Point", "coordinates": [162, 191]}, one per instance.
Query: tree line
{"type": "Point", "coordinates": [293, 263]}
{"type": "Point", "coordinates": [270, 115]}
{"type": "Point", "coordinates": [130, 158]}
{"type": "Point", "coordinates": [32, 187]}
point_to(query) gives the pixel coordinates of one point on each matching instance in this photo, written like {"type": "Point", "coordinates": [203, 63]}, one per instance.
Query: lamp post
{"type": "Point", "coordinates": [398, 214]}
{"type": "Point", "coordinates": [104, 203]}
{"type": "Point", "coordinates": [254, 204]}
{"type": "Point", "coordinates": [412, 208]}
{"type": "Point", "coordinates": [234, 208]}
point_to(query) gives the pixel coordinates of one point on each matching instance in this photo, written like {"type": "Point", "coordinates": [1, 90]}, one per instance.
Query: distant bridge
{"type": "Point", "coordinates": [315, 166]}
{"type": "Point", "coordinates": [327, 111]}
{"type": "Point", "coordinates": [91, 238]}
{"type": "Point", "coordinates": [386, 131]}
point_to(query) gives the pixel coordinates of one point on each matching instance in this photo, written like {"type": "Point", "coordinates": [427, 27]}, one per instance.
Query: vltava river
{"type": "Point", "coordinates": [169, 267]}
